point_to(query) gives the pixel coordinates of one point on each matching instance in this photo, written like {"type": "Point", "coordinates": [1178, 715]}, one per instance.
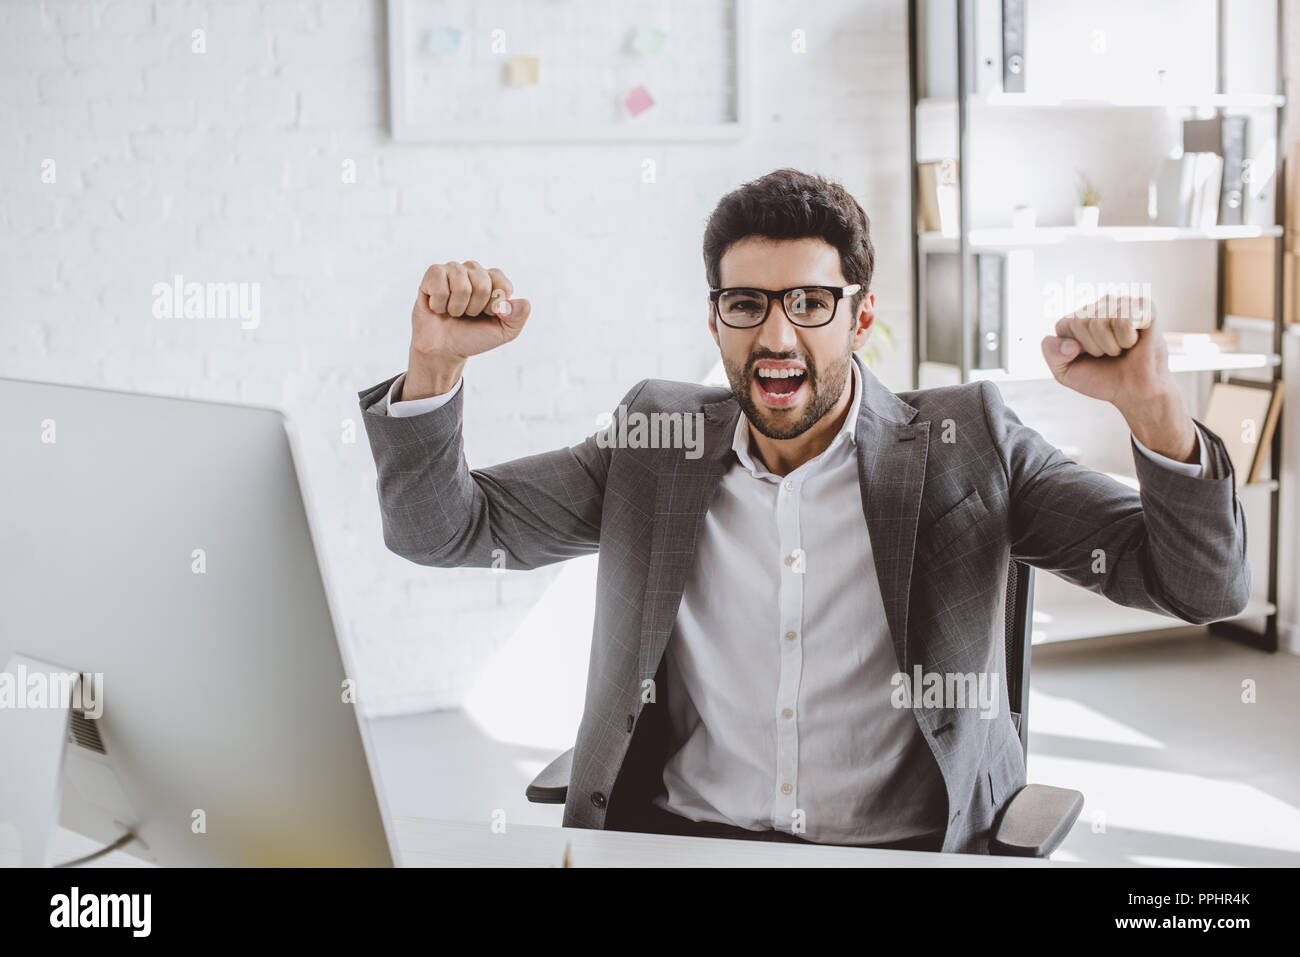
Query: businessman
{"type": "Point", "coordinates": [764, 606]}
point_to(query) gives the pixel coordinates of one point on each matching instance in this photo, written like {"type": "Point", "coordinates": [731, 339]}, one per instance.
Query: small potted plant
{"type": "Point", "coordinates": [1088, 212]}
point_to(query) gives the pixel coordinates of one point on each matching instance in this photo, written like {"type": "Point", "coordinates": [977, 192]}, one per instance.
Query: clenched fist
{"type": "Point", "coordinates": [461, 310]}
{"type": "Point", "coordinates": [1111, 350]}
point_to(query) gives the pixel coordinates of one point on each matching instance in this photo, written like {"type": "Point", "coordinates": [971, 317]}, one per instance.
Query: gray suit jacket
{"type": "Point", "coordinates": [944, 518]}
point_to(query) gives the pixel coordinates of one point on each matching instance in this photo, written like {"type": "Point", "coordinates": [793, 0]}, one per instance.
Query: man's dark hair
{"type": "Point", "coordinates": [788, 204]}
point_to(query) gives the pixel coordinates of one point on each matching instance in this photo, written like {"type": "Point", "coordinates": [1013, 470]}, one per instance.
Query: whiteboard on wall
{"type": "Point", "coordinates": [466, 71]}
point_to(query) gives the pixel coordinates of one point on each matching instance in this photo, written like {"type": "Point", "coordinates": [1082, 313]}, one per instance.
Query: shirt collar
{"type": "Point", "coordinates": [848, 433]}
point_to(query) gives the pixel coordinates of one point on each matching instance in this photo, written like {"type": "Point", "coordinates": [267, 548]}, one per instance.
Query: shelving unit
{"type": "Point", "coordinates": [1064, 611]}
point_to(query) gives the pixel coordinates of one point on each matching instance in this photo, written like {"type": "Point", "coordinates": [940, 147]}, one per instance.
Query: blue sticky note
{"type": "Point", "coordinates": [442, 41]}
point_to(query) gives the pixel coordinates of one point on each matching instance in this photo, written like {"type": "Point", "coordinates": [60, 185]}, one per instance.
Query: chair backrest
{"type": "Point", "coordinates": [1019, 618]}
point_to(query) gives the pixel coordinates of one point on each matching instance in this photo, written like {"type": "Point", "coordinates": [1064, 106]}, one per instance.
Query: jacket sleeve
{"type": "Point", "coordinates": [520, 514]}
{"type": "Point", "coordinates": [1177, 546]}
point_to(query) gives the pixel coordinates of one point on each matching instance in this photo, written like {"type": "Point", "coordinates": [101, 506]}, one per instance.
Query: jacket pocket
{"type": "Point", "coordinates": [955, 522]}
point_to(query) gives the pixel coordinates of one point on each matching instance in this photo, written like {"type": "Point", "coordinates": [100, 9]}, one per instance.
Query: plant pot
{"type": "Point", "coordinates": [1086, 217]}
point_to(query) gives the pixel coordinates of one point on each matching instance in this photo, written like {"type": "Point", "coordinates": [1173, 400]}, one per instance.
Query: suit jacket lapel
{"type": "Point", "coordinates": [683, 491]}
{"type": "Point", "coordinates": [892, 450]}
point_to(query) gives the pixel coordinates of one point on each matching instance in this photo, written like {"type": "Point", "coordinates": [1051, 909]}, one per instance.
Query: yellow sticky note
{"type": "Point", "coordinates": [523, 70]}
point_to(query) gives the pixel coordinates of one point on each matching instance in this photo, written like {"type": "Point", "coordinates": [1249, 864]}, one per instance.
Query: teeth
{"type": "Point", "coordinates": [779, 373]}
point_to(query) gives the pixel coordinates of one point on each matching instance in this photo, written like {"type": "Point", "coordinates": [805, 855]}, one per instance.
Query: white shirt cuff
{"type": "Point", "coordinates": [400, 410]}
{"type": "Point", "coordinates": [1197, 469]}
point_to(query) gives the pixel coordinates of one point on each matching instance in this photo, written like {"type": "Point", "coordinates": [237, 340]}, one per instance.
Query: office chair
{"type": "Point", "coordinates": [1033, 823]}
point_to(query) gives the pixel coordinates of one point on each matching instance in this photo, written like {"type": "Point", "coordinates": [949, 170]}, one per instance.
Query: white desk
{"type": "Point", "coordinates": [424, 842]}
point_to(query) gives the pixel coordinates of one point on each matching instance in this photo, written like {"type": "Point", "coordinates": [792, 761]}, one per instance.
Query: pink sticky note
{"type": "Point", "coordinates": [637, 100]}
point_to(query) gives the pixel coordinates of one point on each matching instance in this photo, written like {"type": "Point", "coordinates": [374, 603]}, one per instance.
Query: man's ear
{"type": "Point", "coordinates": [713, 326]}
{"type": "Point", "coordinates": [866, 318]}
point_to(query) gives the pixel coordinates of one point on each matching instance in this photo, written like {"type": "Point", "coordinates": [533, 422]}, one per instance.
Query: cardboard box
{"type": "Point", "coordinates": [1248, 279]}
{"type": "Point", "coordinates": [1244, 417]}
{"type": "Point", "coordinates": [1248, 263]}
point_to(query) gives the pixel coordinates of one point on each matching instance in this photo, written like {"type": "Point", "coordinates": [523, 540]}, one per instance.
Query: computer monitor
{"type": "Point", "coordinates": [164, 544]}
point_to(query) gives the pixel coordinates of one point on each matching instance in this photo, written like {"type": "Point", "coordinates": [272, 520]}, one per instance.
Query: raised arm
{"type": "Point", "coordinates": [435, 509]}
{"type": "Point", "coordinates": [1179, 545]}
{"type": "Point", "coordinates": [520, 514]}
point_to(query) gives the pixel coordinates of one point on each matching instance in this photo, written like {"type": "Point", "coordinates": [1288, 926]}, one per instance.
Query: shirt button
{"type": "Point", "coordinates": [786, 789]}
{"type": "Point", "coordinates": [598, 799]}
{"type": "Point", "coordinates": [789, 486]}
{"type": "Point", "coordinates": [787, 713]}
{"type": "Point", "coordinates": [790, 636]}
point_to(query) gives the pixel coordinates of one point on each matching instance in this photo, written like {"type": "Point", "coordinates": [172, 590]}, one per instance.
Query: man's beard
{"type": "Point", "coordinates": [824, 395]}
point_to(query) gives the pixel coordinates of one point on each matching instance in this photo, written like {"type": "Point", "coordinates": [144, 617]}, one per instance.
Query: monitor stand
{"type": "Point", "coordinates": [32, 742]}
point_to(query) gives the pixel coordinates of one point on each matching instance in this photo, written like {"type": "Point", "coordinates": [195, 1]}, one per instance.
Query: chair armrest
{"type": "Point", "coordinates": [551, 786]}
{"type": "Point", "coordinates": [1035, 821]}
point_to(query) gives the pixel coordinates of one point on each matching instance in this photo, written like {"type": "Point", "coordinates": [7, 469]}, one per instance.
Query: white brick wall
{"type": "Point", "coordinates": [226, 166]}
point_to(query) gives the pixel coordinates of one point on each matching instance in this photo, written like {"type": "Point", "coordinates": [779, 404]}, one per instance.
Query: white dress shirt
{"type": "Point", "coordinates": [780, 659]}
{"type": "Point", "coordinates": [398, 409]}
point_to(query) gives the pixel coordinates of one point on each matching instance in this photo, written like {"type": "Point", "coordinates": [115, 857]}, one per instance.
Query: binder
{"type": "Point", "coordinates": [941, 330]}
{"type": "Point", "coordinates": [990, 314]}
{"type": "Point", "coordinates": [1234, 156]}
{"type": "Point", "coordinates": [1013, 46]}
{"type": "Point", "coordinates": [941, 333]}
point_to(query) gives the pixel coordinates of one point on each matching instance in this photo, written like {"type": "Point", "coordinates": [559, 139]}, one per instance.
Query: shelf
{"type": "Point", "coordinates": [1252, 324]}
{"type": "Point", "coordinates": [1205, 101]}
{"type": "Point", "coordinates": [1010, 238]}
{"type": "Point", "coordinates": [935, 374]}
{"type": "Point", "coordinates": [1033, 141]}
{"type": "Point", "coordinates": [1209, 362]}
{"type": "Point", "coordinates": [1223, 361]}
{"type": "Point", "coordinates": [1088, 615]}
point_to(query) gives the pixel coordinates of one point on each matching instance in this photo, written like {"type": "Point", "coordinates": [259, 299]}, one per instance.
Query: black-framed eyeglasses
{"type": "Point", "coordinates": [744, 307]}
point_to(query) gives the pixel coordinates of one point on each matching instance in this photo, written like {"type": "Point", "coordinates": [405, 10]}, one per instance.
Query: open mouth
{"type": "Point", "coordinates": [780, 383]}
